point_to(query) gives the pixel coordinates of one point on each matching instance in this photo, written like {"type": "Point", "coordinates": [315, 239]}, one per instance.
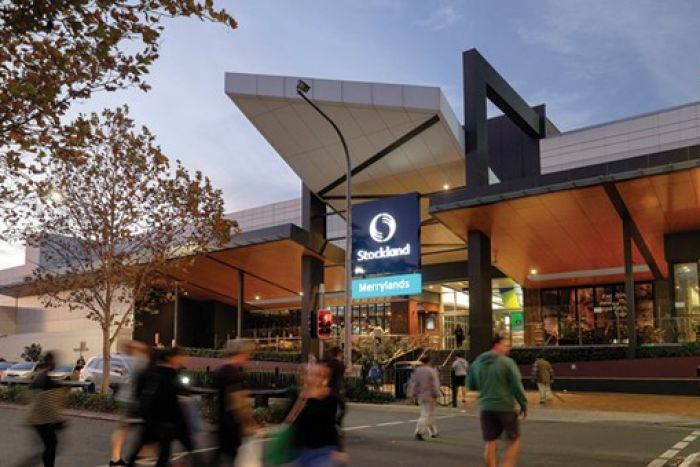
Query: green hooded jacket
{"type": "Point", "coordinates": [498, 381]}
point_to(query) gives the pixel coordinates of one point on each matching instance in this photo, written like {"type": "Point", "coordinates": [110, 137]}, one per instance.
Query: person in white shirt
{"type": "Point", "coordinates": [424, 387]}
{"type": "Point", "coordinates": [460, 368]}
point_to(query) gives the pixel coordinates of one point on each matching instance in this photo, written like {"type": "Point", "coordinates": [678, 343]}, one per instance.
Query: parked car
{"type": "Point", "coordinates": [64, 373]}
{"type": "Point", "coordinates": [121, 371]}
{"type": "Point", "coordinates": [20, 373]}
{"type": "Point", "coordinates": [4, 366]}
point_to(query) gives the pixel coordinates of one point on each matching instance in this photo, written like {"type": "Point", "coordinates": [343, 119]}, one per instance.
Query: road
{"type": "Point", "coordinates": [382, 436]}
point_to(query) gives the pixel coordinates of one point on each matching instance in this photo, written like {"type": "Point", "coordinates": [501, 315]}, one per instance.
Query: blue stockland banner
{"type": "Point", "coordinates": [387, 286]}
{"type": "Point", "coordinates": [386, 236]}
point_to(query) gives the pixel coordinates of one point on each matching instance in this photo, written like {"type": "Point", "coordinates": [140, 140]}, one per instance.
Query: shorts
{"type": "Point", "coordinates": [460, 381]}
{"type": "Point", "coordinates": [493, 424]}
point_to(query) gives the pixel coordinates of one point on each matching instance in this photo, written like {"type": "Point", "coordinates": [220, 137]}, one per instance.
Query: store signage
{"type": "Point", "coordinates": [403, 284]}
{"type": "Point", "coordinates": [517, 321]}
{"type": "Point", "coordinates": [386, 236]}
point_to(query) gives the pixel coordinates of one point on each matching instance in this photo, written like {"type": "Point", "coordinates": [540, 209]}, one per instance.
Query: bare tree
{"type": "Point", "coordinates": [114, 221]}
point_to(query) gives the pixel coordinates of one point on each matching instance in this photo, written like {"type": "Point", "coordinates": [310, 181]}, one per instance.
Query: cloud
{"type": "Point", "coordinates": [660, 39]}
{"type": "Point", "coordinates": [443, 17]}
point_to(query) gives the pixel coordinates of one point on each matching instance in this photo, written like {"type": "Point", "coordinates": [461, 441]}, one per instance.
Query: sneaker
{"type": "Point", "coordinates": [118, 462]}
{"type": "Point", "coordinates": [435, 435]}
{"type": "Point", "coordinates": [419, 437]}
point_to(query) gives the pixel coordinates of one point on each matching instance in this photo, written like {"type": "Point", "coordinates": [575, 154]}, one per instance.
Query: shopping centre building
{"type": "Point", "coordinates": [585, 237]}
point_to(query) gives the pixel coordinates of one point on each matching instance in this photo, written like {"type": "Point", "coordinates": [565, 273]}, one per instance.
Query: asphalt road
{"type": "Point", "coordinates": [382, 436]}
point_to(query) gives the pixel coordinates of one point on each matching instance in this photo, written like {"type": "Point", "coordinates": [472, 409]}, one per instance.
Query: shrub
{"type": "Point", "coordinates": [284, 357]}
{"type": "Point", "coordinates": [273, 414]}
{"type": "Point", "coordinates": [252, 380]}
{"type": "Point", "coordinates": [14, 394]}
{"type": "Point", "coordinates": [596, 353]}
{"type": "Point", "coordinates": [358, 391]}
{"type": "Point", "coordinates": [32, 353]}
{"type": "Point", "coordinates": [94, 402]}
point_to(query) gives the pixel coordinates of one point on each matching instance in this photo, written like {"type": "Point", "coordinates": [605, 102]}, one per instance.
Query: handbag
{"type": "Point", "coordinates": [249, 454]}
{"type": "Point", "coordinates": [281, 449]}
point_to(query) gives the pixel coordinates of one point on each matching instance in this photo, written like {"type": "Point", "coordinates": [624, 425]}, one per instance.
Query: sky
{"type": "Point", "coordinates": [590, 62]}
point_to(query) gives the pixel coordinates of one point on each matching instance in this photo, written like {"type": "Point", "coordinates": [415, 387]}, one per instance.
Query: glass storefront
{"type": "Point", "coordinates": [454, 308]}
{"type": "Point", "coordinates": [595, 316]}
{"type": "Point", "coordinates": [687, 301]}
{"type": "Point", "coordinates": [365, 317]}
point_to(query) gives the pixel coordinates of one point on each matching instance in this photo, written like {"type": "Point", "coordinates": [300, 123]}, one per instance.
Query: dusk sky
{"type": "Point", "coordinates": [590, 62]}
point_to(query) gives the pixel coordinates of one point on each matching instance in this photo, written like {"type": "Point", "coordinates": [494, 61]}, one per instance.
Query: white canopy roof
{"type": "Point", "coordinates": [372, 117]}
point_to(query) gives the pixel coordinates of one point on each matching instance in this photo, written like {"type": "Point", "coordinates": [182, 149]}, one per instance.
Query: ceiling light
{"type": "Point", "coordinates": [257, 297]}
{"type": "Point", "coordinates": [56, 196]}
{"type": "Point", "coordinates": [301, 294]}
{"type": "Point", "coordinates": [430, 287]}
{"type": "Point", "coordinates": [533, 271]}
{"type": "Point", "coordinates": [445, 186]}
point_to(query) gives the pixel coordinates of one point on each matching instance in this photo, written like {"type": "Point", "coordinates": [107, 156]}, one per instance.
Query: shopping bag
{"type": "Point", "coordinates": [281, 449]}
{"type": "Point", "coordinates": [249, 454]}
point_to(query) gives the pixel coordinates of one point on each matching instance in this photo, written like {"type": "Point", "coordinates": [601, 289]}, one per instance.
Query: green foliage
{"type": "Point", "coordinates": [32, 353]}
{"type": "Point", "coordinates": [282, 357]}
{"type": "Point", "coordinates": [358, 391]}
{"type": "Point", "coordinates": [598, 353]}
{"type": "Point", "coordinates": [93, 402]}
{"type": "Point", "coordinates": [14, 394]}
{"type": "Point", "coordinates": [273, 414]}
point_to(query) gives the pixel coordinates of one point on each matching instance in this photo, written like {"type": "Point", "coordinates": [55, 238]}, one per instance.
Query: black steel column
{"type": "Point", "coordinates": [629, 286]}
{"type": "Point", "coordinates": [241, 299]}
{"type": "Point", "coordinates": [475, 124]}
{"type": "Point", "coordinates": [313, 219]}
{"type": "Point", "coordinates": [479, 274]}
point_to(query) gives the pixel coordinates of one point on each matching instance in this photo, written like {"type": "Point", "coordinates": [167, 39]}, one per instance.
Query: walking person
{"type": "Point", "coordinates": [498, 380]}
{"type": "Point", "coordinates": [543, 376]}
{"type": "Point", "coordinates": [44, 412]}
{"type": "Point", "coordinates": [315, 428]}
{"type": "Point", "coordinates": [126, 399]}
{"type": "Point", "coordinates": [459, 336]}
{"type": "Point", "coordinates": [234, 418]}
{"type": "Point", "coordinates": [425, 387]}
{"type": "Point", "coordinates": [336, 382]}
{"type": "Point", "coordinates": [164, 419]}
{"type": "Point", "coordinates": [460, 367]}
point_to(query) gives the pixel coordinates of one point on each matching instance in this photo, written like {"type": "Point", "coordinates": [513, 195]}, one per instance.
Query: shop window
{"type": "Point", "coordinates": [687, 301]}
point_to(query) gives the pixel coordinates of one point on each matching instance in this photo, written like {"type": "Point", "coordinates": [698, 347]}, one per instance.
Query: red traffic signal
{"type": "Point", "coordinates": [324, 324]}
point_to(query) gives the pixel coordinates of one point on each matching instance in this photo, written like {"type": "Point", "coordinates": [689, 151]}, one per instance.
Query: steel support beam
{"type": "Point", "coordinates": [629, 286]}
{"type": "Point", "coordinates": [312, 268]}
{"type": "Point", "coordinates": [479, 276]}
{"type": "Point", "coordinates": [382, 153]}
{"type": "Point", "coordinates": [241, 304]}
{"type": "Point", "coordinates": [622, 211]}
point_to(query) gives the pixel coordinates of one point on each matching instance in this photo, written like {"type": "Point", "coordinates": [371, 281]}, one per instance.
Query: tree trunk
{"type": "Point", "coordinates": [106, 360]}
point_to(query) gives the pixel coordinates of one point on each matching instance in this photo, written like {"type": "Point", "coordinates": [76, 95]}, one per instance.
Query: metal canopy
{"type": "Point", "coordinates": [570, 233]}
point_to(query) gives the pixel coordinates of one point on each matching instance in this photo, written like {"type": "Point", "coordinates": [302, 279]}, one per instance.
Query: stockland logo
{"type": "Point", "coordinates": [382, 228]}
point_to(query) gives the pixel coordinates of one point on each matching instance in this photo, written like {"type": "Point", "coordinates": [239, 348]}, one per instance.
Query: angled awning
{"type": "Point", "coordinates": [561, 228]}
{"type": "Point", "coordinates": [401, 139]}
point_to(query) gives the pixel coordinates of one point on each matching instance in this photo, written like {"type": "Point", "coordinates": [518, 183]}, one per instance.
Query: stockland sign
{"type": "Point", "coordinates": [386, 241]}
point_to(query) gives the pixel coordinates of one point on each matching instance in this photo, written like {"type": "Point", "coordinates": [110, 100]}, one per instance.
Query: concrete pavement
{"type": "Point", "coordinates": [382, 435]}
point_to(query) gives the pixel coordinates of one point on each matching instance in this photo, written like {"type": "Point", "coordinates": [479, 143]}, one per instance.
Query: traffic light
{"type": "Point", "coordinates": [324, 320]}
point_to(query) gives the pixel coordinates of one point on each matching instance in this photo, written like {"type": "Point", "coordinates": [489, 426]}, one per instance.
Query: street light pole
{"type": "Point", "coordinates": [302, 89]}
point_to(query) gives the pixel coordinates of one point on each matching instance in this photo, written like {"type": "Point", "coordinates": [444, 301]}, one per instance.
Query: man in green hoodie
{"type": "Point", "coordinates": [498, 380]}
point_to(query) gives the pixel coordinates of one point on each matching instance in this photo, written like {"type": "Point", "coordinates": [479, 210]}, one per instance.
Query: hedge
{"type": "Point", "coordinates": [252, 380]}
{"type": "Point", "coordinates": [283, 357]}
{"type": "Point", "coordinates": [597, 353]}
{"type": "Point", "coordinates": [358, 391]}
{"type": "Point", "coordinates": [79, 400]}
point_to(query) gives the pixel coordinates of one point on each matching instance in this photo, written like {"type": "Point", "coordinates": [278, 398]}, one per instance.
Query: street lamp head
{"type": "Point", "coordinates": [303, 87]}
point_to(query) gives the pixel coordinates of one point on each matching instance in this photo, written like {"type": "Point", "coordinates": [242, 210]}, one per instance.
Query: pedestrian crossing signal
{"type": "Point", "coordinates": [324, 324]}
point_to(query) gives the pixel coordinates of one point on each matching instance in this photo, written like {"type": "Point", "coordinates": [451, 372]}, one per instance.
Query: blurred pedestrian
{"type": "Point", "coordinates": [375, 376]}
{"type": "Point", "coordinates": [498, 380]}
{"type": "Point", "coordinates": [126, 399]}
{"type": "Point", "coordinates": [336, 381]}
{"type": "Point", "coordinates": [234, 417]}
{"type": "Point", "coordinates": [425, 387]}
{"type": "Point", "coordinates": [543, 376]}
{"type": "Point", "coordinates": [378, 334]}
{"type": "Point", "coordinates": [44, 415]}
{"type": "Point", "coordinates": [459, 336]}
{"type": "Point", "coordinates": [164, 419]}
{"type": "Point", "coordinates": [315, 429]}
{"type": "Point", "coordinates": [460, 368]}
